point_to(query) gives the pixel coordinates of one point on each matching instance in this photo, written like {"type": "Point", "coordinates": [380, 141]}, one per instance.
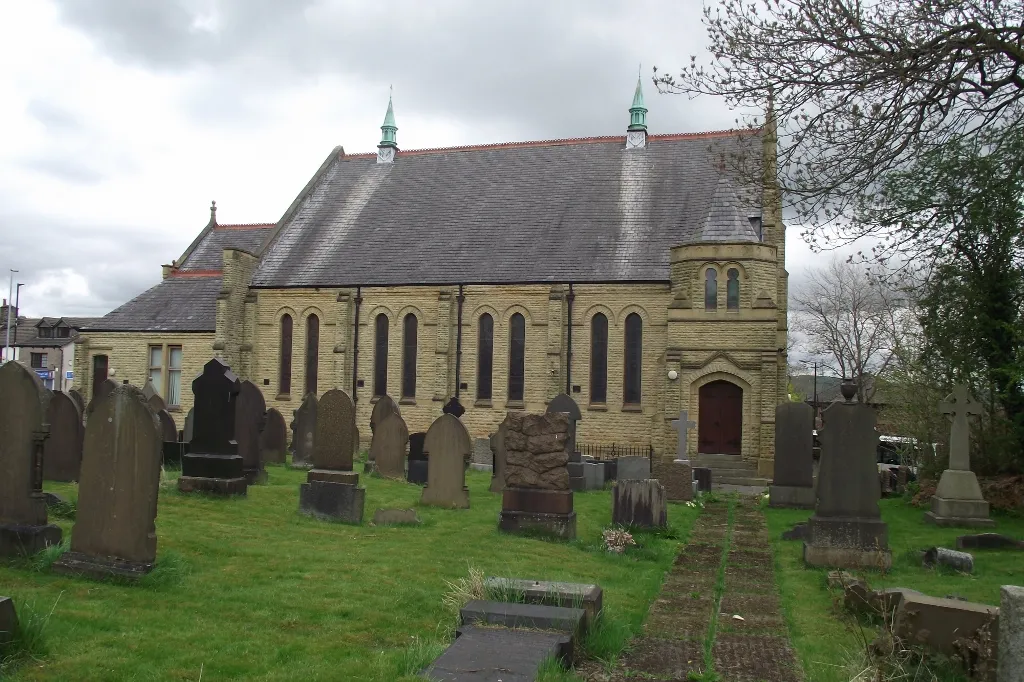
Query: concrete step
{"type": "Point", "coordinates": [740, 480]}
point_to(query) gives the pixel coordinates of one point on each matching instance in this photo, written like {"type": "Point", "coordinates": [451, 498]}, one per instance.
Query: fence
{"type": "Point", "coordinates": [613, 450]}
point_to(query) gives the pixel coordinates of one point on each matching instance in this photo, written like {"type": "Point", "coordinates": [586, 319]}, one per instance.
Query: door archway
{"type": "Point", "coordinates": [720, 429]}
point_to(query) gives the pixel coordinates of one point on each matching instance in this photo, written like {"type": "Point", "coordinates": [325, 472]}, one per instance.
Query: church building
{"type": "Point", "coordinates": [642, 274]}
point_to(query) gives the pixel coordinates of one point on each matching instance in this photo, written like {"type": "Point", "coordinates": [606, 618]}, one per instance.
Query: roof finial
{"type": "Point", "coordinates": [213, 212]}
{"type": "Point", "coordinates": [388, 143]}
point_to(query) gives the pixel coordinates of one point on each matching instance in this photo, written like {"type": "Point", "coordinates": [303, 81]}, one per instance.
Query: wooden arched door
{"type": "Point", "coordinates": [720, 430]}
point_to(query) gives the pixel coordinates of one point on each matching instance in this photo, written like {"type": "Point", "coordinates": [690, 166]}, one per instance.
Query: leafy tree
{"type": "Point", "coordinates": [861, 89]}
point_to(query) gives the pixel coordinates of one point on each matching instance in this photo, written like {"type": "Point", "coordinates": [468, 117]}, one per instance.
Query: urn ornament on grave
{"type": "Point", "coordinates": [958, 500]}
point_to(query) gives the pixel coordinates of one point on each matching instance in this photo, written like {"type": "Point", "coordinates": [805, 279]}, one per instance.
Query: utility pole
{"type": "Point", "coordinates": [10, 302]}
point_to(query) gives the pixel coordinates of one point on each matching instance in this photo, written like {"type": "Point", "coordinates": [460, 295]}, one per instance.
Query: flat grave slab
{"type": "Point", "coordinates": [488, 654]}
{"type": "Point", "coordinates": [576, 595]}
{"type": "Point", "coordinates": [534, 616]}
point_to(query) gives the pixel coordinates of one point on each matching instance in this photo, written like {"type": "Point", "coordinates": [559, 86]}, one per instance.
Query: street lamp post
{"type": "Point", "coordinates": [10, 302]}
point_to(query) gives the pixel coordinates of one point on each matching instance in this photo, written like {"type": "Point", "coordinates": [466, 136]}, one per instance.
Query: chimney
{"type": "Point", "coordinates": [4, 312]}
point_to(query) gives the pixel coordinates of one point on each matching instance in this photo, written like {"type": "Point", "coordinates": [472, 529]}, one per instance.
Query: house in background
{"type": "Point", "coordinates": [45, 345]}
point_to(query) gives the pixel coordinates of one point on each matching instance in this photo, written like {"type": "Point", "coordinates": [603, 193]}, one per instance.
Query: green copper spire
{"type": "Point", "coordinates": [638, 112]}
{"type": "Point", "coordinates": [388, 130]}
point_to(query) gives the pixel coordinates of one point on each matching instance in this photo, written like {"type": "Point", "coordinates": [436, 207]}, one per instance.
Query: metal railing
{"type": "Point", "coordinates": [613, 450]}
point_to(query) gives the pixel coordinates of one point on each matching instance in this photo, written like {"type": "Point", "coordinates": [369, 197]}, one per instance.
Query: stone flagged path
{"type": "Point", "coordinates": [726, 569]}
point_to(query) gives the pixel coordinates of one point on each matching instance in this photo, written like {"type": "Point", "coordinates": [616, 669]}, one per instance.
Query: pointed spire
{"type": "Point", "coordinates": [388, 130]}
{"type": "Point", "coordinates": [638, 112]}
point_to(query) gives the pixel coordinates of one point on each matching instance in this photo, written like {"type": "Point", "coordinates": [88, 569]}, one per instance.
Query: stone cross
{"type": "Point", "coordinates": [682, 425]}
{"type": "Point", "coordinates": [960, 405]}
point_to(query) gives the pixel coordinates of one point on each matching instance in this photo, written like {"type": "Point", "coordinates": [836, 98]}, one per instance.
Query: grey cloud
{"type": "Point", "coordinates": [536, 69]}
{"type": "Point", "coordinates": [54, 116]}
{"type": "Point", "coordinates": [64, 167]}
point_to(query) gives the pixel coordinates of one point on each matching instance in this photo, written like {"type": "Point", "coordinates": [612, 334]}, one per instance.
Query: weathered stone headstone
{"type": "Point", "coordinates": [1011, 634]}
{"type": "Point", "coordinates": [566, 405]}
{"type": "Point", "coordinates": [168, 429]}
{"type": "Point", "coordinates": [331, 491]}
{"type": "Point", "coordinates": [633, 468]}
{"type": "Point", "coordinates": [846, 530]}
{"type": "Point", "coordinates": [937, 623]}
{"type": "Point", "coordinates": [537, 496]}
{"type": "Point", "coordinates": [274, 438]}
{"type": "Point", "coordinates": [104, 388]}
{"type": "Point", "coordinates": [8, 621]}
{"type": "Point", "coordinates": [482, 458]}
{"type": "Point", "coordinates": [448, 445]}
{"type": "Point", "coordinates": [593, 475]}
{"type": "Point", "coordinates": [498, 456]}
{"type": "Point", "coordinates": [794, 457]}
{"type": "Point", "coordinates": [676, 476]}
{"type": "Point", "coordinates": [62, 450]}
{"type": "Point", "coordinates": [153, 396]}
{"type": "Point", "coordinates": [79, 399]}
{"type": "Point", "coordinates": [250, 420]}
{"type": "Point", "coordinates": [115, 527]}
{"type": "Point", "coordinates": [418, 466]}
{"type": "Point", "coordinates": [304, 432]}
{"type": "Point", "coordinates": [189, 428]}
{"type": "Point", "coordinates": [384, 406]}
{"type": "Point", "coordinates": [213, 464]}
{"type": "Point", "coordinates": [639, 503]}
{"type": "Point", "coordinates": [958, 500]}
{"type": "Point", "coordinates": [335, 423]}
{"type": "Point", "coordinates": [23, 405]}
{"type": "Point", "coordinates": [390, 438]}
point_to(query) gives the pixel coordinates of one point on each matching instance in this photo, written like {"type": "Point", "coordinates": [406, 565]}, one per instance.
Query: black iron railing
{"type": "Point", "coordinates": [613, 450]}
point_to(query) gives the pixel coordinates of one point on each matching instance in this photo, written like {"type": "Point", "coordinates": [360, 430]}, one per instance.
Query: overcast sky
{"type": "Point", "coordinates": [123, 119]}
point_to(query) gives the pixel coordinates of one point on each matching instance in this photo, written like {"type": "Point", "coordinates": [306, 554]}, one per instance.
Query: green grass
{"type": "Point", "coordinates": [825, 640]}
{"type": "Point", "coordinates": [247, 588]}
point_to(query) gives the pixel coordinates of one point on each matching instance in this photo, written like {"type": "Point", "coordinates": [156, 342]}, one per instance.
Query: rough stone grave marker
{"type": "Point", "coordinates": [449, 446]}
{"type": "Point", "coordinates": [958, 500]}
{"type": "Point", "coordinates": [250, 420]}
{"type": "Point", "coordinates": [537, 496]}
{"type": "Point", "coordinates": [23, 526]}
{"type": "Point", "coordinates": [115, 528]}
{"type": "Point", "coordinates": [304, 432]}
{"type": "Point", "coordinates": [675, 476]}
{"type": "Point", "coordinates": [213, 464]}
{"type": "Point", "coordinates": [846, 530]}
{"type": "Point", "coordinates": [274, 438]}
{"type": "Point", "coordinates": [390, 438]}
{"type": "Point", "coordinates": [566, 405]}
{"type": "Point", "coordinates": [62, 450]}
{"type": "Point", "coordinates": [794, 457]}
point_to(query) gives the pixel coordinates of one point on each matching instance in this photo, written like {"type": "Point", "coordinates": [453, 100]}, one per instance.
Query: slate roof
{"type": "Point", "coordinates": [28, 331]}
{"type": "Point", "coordinates": [179, 303]}
{"type": "Point", "coordinates": [559, 211]}
{"type": "Point", "coordinates": [207, 254]}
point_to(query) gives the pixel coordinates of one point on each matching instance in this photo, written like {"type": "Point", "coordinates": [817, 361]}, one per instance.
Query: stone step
{"type": "Point", "coordinates": [534, 616]}
{"type": "Point", "coordinates": [488, 654]}
{"type": "Point", "coordinates": [745, 469]}
{"type": "Point", "coordinates": [741, 480]}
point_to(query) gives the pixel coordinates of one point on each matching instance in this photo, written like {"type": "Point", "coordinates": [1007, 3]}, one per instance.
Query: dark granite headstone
{"type": "Point", "coordinates": [250, 418]}
{"type": "Point", "coordinates": [703, 477]}
{"type": "Point", "coordinates": [104, 388]}
{"type": "Point", "coordinates": [213, 464]}
{"type": "Point", "coordinates": [304, 432]}
{"type": "Point", "coordinates": [115, 527]}
{"type": "Point", "coordinates": [387, 448]}
{"type": "Point", "coordinates": [988, 541]}
{"type": "Point", "coordinates": [846, 530]}
{"type": "Point", "coordinates": [274, 439]}
{"type": "Point", "coordinates": [335, 423]}
{"type": "Point", "coordinates": [449, 446]}
{"type": "Point", "coordinates": [794, 457]}
{"type": "Point", "coordinates": [417, 472]}
{"type": "Point", "coordinates": [23, 405]}
{"type": "Point", "coordinates": [62, 451]}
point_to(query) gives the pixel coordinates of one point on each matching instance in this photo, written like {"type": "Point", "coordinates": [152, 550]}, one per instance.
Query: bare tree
{"type": "Point", "coordinates": [850, 321]}
{"type": "Point", "coordinates": [861, 88]}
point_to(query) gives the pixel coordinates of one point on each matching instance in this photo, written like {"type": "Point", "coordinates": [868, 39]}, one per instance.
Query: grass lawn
{"type": "Point", "coordinates": [268, 594]}
{"type": "Point", "coordinates": [826, 642]}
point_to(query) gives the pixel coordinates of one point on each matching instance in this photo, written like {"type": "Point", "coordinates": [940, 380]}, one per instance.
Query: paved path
{"type": "Point", "coordinates": [725, 570]}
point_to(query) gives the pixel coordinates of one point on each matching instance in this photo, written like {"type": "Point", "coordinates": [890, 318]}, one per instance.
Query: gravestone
{"type": "Point", "coordinates": [79, 399]}
{"type": "Point", "coordinates": [104, 388]}
{"type": "Point", "coordinates": [682, 427]}
{"type": "Point", "coordinates": [793, 484]}
{"type": "Point", "coordinates": [331, 491]}
{"type": "Point", "coordinates": [153, 396]}
{"type": "Point", "coordinates": [1011, 634]}
{"type": "Point", "coordinates": [8, 621]}
{"type": "Point", "coordinates": [213, 464]}
{"type": "Point", "coordinates": [250, 420]}
{"type": "Point", "coordinates": [274, 439]}
{"type": "Point", "coordinates": [304, 432]}
{"type": "Point", "coordinates": [498, 458]}
{"type": "Point", "coordinates": [566, 405]}
{"type": "Point", "coordinates": [675, 476]}
{"type": "Point", "coordinates": [168, 429]}
{"type": "Point", "coordinates": [846, 530]}
{"type": "Point", "coordinates": [390, 438]}
{"type": "Point", "coordinates": [384, 406]}
{"type": "Point", "coordinates": [639, 503]}
{"type": "Point", "coordinates": [189, 428]}
{"type": "Point", "coordinates": [396, 517]}
{"type": "Point", "coordinates": [418, 466]}
{"type": "Point", "coordinates": [24, 401]}
{"type": "Point", "coordinates": [702, 477]}
{"type": "Point", "coordinates": [482, 458]}
{"type": "Point", "coordinates": [115, 527]}
{"type": "Point", "coordinates": [633, 468]}
{"type": "Point", "coordinates": [62, 450]}
{"type": "Point", "coordinates": [449, 446]}
{"type": "Point", "coordinates": [958, 500]}
{"type": "Point", "coordinates": [537, 497]}
{"type": "Point", "coordinates": [173, 450]}
{"type": "Point", "coordinates": [593, 475]}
